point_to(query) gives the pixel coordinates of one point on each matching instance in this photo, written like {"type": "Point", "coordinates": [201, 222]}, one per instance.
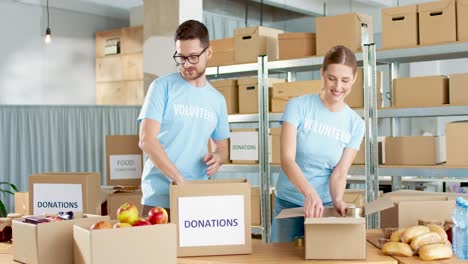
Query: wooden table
{"type": "Point", "coordinates": [374, 235]}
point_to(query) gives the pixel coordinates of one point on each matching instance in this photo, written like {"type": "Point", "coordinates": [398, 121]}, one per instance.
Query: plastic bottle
{"type": "Point", "coordinates": [456, 227]}
{"type": "Point", "coordinates": [464, 230]}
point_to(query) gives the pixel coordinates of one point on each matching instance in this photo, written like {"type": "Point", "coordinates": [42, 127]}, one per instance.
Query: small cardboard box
{"type": "Point", "coordinates": [250, 42]}
{"type": "Point", "coordinates": [462, 20]}
{"type": "Point", "coordinates": [65, 191]}
{"type": "Point", "coordinates": [275, 134]}
{"type": "Point", "coordinates": [457, 145]}
{"type": "Point", "coordinates": [248, 94]}
{"type": "Point", "coordinates": [355, 98]}
{"type": "Point", "coordinates": [458, 89]}
{"type": "Point", "coordinates": [255, 206]}
{"type": "Point", "coordinates": [415, 150]}
{"type": "Point", "coordinates": [361, 158]}
{"type": "Point", "coordinates": [278, 105]}
{"type": "Point", "coordinates": [212, 217]}
{"type": "Point", "coordinates": [22, 203]}
{"type": "Point", "coordinates": [142, 244]}
{"type": "Point", "coordinates": [124, 160]}
{"type": "Point", "coordinates": [230, 91]}
{"type": "Point", "coordinates": [434, 88]}
{"type": "Point", "coordinates": [296, 45]}
{"type": "Point", "coordinates": [289, 90]}
{"type": "Point", "coordinates": [48, 243]}
{"type": "Point", "coordinates": [223, 52]}
{"type": "Point", "coordinates": [400, 27]}
{"type": "Point", "coordinates": [437, 22]}
{"type": "Point", "coordinates": [350, 31]}
{"type": "Point", "coordinates": [115, 200]}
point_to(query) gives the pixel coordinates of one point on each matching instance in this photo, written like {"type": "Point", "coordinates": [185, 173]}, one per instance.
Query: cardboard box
{"type": "Point", "coordinates": [296, 45]}
{"type": "Point", "coordinates": [65, 191]}
{"type": "Point", "coordinates": [22, 203]}
{"type": "Point", "coordinates": [255, 206]}
{"type": "Point", "coordinates": [289, 90]}
{"type": "Point", "coordinates": [230, 91]}
{"type": "Point", "coordinates": [250, 42]}
{"type": "Point", "coordinates": [350, 31]}
{"type": "Point", "coordinates": [223, 52]}
{"type": "Point", "coordinates": [212, 217]}
{"type": "Point", "coordinates": [143, 244]}
{"type": "Point", "coordinates": [278, 105]}
{"type": "Point", "coordinates": [356, 197]}
{"type": "Point", "coordinates": [115, 200]}
{"type": "Point", "coordinates": [415, 150]}
{"type": "Point", "coordinates": [361, 158]}
{"type": "Point", "coordinates": [400, 27]}
{"type": "Point", "coordinates": [462, 20]}
{"type": "Point", "coordinates": [355, 98]}
{"type": "Point", "coordinates": [275, 134]}
{"type": "Point", "coordinates": [434, 88]}
{"type": "Point", "coordinates": [457, 145]}
{"type": "Point", "coordinates": [48, 243]}
{"type": "Point", "coordinates": [458, 89]}
{"type": "Point", "coordinates": [248, 94]}
{"type": "Point", "coordinates": [409, 207]}
{"type": "Point", "coordinates": [124, 160]}
{"type": "Point", "coordinates": [437, 22]}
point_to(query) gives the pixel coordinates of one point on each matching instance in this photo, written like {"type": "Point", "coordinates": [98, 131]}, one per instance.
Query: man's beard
{"type": "Point", "coordinates": [191, 77]}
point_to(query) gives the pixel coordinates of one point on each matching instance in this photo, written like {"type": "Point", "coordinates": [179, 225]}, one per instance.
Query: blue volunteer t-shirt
{"type": "Point", "coordinates": [189, 116]}
{"type": "Point", "coordinates": [321, 138]}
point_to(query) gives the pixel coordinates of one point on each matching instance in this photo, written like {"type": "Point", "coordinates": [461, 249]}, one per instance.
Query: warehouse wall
{"type": "Point", "coordinates": [62, 72]}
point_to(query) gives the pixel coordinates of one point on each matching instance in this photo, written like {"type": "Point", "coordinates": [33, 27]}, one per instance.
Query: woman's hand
{"type": "Point", "coordinates": [340, 207]}
{"type": "Point", "coordinates": [313, 206]}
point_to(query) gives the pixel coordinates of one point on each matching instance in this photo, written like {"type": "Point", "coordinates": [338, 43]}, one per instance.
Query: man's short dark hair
{"type": "Point", "coordinates": [192, 29]}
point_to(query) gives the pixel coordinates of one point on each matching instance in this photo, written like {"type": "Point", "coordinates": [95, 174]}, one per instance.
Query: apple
{"type": "Point", "coordinates": [141, 222]}
{"type": "Point", "coordinates": [157, 215]}
{"type": "Point", "coordinates": [101, 225]}
{"type": "Point", "coordinates": [127, 213]}
{"type": "Point", "coordinates": [121, 225]}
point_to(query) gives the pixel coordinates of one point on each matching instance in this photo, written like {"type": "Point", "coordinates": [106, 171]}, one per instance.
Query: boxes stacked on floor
{"type": "Point", "coordinates": [350, 31]}
{"type": "Point", "coordinates": [296, 45]}
{"type": "Point", "coordinates": [282, 92]}
{"type": "Point", "coordinates": [212, 217]}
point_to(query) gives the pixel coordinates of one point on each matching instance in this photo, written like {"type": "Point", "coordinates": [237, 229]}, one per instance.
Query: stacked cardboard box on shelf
{"type": "Point", "coordinates": [415, 150]}
{"type": "Point", "coordinates": [223, 52]}
{"type": "Point", "coordinates": [251, 42]}
{"type": "Point", "coordinates": [457, 89]}
{"type": "Point", "coordinates": [296, 45]}
{"type": "Point", "coordinates": [462, 20]}
{"type": "Point", "coordinates": [230, 90]}
{"type": "Point", "coordinates": [434, 88]}
{"type": "Point", "coordinates": [400, 27]}
{"type": "Point", "coordinates": [283, 92]}
{"type": "Point", "coordinates": [457, 145]}
{"type": "Point", "coordinates": [248, 93]}
{"type": "Point", "coordinates": [437, 22]}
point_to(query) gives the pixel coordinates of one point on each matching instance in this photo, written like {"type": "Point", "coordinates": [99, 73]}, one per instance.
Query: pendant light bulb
{"type": "Point", "coordinates": [48, 37]}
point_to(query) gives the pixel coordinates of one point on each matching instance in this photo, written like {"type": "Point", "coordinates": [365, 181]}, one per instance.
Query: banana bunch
{"type": "Point", "coordinates": [429, 242]}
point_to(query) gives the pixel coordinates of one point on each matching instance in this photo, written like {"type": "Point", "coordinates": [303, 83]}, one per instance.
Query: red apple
{"type": "Point", "coordinates": [121, 225]}
{"type": "Point", "coordinates": [157, 215]}
{"type": "Point", "coordinates": [141, 222]}
{"type": "Point", "coordinates": [127, 213]}
{"type": "Point", "coordinates": [101, 225]}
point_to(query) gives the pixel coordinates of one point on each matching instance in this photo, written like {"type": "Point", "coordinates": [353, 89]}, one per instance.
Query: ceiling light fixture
{"type": "Point", "coordinates": [47, 38]}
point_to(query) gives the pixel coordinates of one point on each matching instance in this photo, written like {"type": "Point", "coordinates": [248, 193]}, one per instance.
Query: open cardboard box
{"type": "Point", "coordinates": [142, 244]}
{"type": "Point", "coordinates": [48, 243]}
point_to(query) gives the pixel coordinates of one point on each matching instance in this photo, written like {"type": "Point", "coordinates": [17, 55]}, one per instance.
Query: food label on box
{"type": "Point", "coordinates": [244, 145]}
{"type": "Point", "coordinates": [211, 220]}
{"type": "Point", "coordinates": [53, 198]}
{"type": "Point", "coordinates": [124, 167]}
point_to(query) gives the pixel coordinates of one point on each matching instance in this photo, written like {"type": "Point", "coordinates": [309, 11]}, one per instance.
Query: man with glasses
{"type": "Point", "coordinates": [182, 111]}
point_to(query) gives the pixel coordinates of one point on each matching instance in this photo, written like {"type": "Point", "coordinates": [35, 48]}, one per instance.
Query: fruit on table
{"type": "Point", "coordinates": [157, 215]}
{"type": "Point", "coordinates": [397, 249]}
{"type": "Point", "coordinates": [439, 230]}
{"type": "Point", "coordinates": [141, 222]}
{"type": "Point", "coordinates": [435, 251]}
{"type": "Point", "coordinates": [412, 232]}
{"type": "Point", "coordinates": [127, 213]}
{"type": "Point", "coordinates": [425, 239]}
{"type": "Point", "coordinates": [396, 236]}
{"type": "Point", "coordinates": [121, 225]}
{"type": "Point", "coordinates": [101, 225]}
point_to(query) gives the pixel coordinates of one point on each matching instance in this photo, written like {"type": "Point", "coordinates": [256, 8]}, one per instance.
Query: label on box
{"type": "Point", "coordinates": [123, 167]}
{"type": "Point", "coordinates": [211, 221]}
{"type": "Point", "coordinates": [244, 145]}
{"type": "Point", "coordinates": [54, 198]}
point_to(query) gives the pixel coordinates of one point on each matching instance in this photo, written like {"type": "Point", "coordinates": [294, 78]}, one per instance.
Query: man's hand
{"type": "Point", "coordinates": [213, 162]}
{"type": "Point", "coordinates": [313, 206]}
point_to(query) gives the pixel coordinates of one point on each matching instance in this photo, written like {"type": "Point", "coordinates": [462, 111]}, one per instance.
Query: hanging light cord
{"type": "Point", "coordinates": [261, 13]}
{"type": "Point", "coordinates": [47, 13]}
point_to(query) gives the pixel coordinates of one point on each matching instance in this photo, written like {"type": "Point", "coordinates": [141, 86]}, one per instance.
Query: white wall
{"type": "Point", "coordinates": [137, 16]}
{"type": "Point", "coordinates": [62, 72]}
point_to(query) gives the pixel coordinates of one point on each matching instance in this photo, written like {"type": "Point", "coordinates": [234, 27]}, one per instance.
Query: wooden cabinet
{"type": "Point", "coordinates": [119, 77]}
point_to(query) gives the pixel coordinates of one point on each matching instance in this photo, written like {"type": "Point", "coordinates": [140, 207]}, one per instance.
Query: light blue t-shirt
{"type": "Point", "coordinates": [189, 116]}
{"type": "Point", "coordinates": [321, 138]}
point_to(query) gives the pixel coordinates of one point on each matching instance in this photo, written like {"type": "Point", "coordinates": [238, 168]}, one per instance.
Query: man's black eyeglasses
{"type": "Point", "coordinates": [192, 59]}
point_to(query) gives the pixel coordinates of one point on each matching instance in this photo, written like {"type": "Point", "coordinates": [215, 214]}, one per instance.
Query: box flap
{"type": "Point", "coordinates": [297, 35]}
{"type": "Point", "coordinates": [222, 83]}
{"type": "Point", "coordinates": [435, 6]}
{"type": "Point", "coordinates": [291, 212]}
{"type": "Point", "coordinates": [245, 31]}
{"type": "Point", "coordinates": [401, 10]}
{"type": "Point", "coordinates": [378, 205]}
{"type": "Point", "coordinates": [335, 220]}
